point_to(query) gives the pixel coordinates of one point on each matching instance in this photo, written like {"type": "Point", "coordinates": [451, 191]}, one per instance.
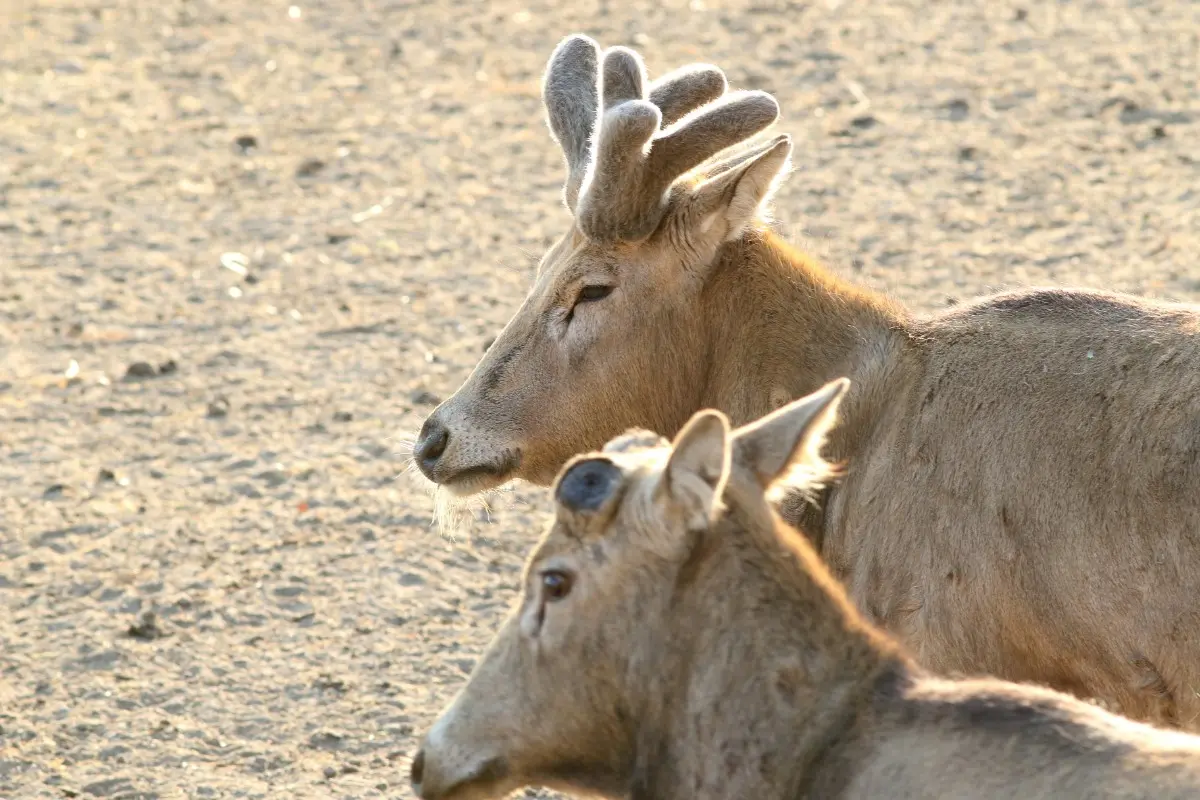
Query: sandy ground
{"type": "Point", "coordinates": [215, 579]}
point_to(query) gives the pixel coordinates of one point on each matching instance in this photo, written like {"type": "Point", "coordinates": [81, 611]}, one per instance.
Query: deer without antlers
{"type": "Point", "coordinates": [1022, 488]}
{"type": "Point", "coordinates": [675, 639]}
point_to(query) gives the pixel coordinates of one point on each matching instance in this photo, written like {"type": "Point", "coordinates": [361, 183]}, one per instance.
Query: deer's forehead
{"type": "Point", "coordinates": [558, 542]}
{"type": "Point", "coordinates": [574, 264]}
{"type": "Point", "coordinates": [616, 544]}
{"type": "Point", "coordinates": [641, 471]}
{"type": "Point", "coordinates": [639, 453]}
{"type": "Point", "coordinates": [562, 546]}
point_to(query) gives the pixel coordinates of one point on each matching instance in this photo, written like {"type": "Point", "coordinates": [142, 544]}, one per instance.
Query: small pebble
{"type": "Point", "coordinates": [330, 773]}
{"type": "Point", "coordinates": [309, 167]}
{"type": "Point", "coordinates": [246, 142]}
{"type": "Point", "coordinates": [957, 110]}
{"type": "Point", "coordinates": [235, 262]}
{"type": "Point", "coordinates": [147, 629]}
{"type": "Point", "coordinates": [217, 408]}
{"type": "Point", "coordinates": [342, 416]}
{"type": "Point", "coordinates": [71, 67]}
{"type": "Point", "coordinates": [139, 369]}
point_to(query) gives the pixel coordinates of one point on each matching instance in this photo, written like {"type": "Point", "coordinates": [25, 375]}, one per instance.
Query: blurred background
{"type": "Point", "coordinates": [246, 247]}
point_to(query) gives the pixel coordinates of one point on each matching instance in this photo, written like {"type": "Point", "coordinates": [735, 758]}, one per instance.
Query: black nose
{"type": "Point", "coordinates": [430, 445]}
{"type": "Point", "coordinates": [418, 768]}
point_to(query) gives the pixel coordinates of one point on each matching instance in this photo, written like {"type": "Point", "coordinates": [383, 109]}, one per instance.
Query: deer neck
{"type": "Point", "coordinates": [763, 690]}
{"type": "Point", "coordinates": [784, 326]}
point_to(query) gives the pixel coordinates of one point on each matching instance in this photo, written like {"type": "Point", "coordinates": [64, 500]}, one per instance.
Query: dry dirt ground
{"type": "Point", "coordinates": [215, 578]}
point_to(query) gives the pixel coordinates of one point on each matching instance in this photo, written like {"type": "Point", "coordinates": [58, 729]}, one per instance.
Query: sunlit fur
{"type": "Point", "coordinates": [726, 661]}
{"type": "Point", "coordinates": [1021, 473]}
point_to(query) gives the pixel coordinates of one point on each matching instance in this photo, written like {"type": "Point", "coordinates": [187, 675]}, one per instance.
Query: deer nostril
{"type": "Point", "coordinates": [433, 443]}
{"type": "Point", "coordinates": [418, 768]}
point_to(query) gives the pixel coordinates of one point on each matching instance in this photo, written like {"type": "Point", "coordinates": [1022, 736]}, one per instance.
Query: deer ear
{"type": "Point", "coordinates": [730, 199]}
{"type": "Point", "coordinates": [698, 467]}
{"type": "Point", "coordinates": [790, 436]}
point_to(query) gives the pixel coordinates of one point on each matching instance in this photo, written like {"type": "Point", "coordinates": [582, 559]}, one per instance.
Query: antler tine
{"type": "Point", "coordinates": [632, 170]}
{"type": "Point", "coordinates": [682, 91]}
{"type": "Point", "coordinates": [735, 118]}
{"type": "Point", "coordinates": [571, 95]}
{"type": "Point", "coordinates": [627, 124]}
{"type": "Point", "coordinates": [622, 77]}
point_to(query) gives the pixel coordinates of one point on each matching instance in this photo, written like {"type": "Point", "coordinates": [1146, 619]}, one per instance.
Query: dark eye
{"type": "Point", "coordinates": [557, 585]}
{"type": "Point", "coordinates": [590, 293]}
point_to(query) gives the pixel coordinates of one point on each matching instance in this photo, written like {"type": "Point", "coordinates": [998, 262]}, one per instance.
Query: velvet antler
{"type": "Point", "coordinates": [634, 164]}
{"type": "Point", "coordinates": [624, 155]}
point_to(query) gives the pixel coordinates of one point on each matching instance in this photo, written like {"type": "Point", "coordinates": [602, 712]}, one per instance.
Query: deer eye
{"type": "Point", "coordinates": [589, 294]}
{"type": "Point", "coordinates": [556, 585]}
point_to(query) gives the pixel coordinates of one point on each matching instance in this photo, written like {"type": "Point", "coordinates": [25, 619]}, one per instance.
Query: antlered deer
{"type": "Point", "coordinates": [676, 639]}
{"type": "Point", "coordinates": [1022, 488]}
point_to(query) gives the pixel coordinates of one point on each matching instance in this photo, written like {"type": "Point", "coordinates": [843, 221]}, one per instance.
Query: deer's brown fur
{"type": "Point", "coordinates": [1022, 487]}
{"type": "Point", "coordinates": [676, 639]}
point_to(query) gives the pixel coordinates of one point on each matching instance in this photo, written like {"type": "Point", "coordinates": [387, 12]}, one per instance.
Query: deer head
{"type": "Point", "coordinates": [617, 298]}
{"type": "Point", "coordinates": [602, 643]}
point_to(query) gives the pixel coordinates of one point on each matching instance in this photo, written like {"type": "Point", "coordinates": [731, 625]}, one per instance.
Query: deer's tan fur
{"type": "Point", "coordinates": [1022, 474]}
{"type": "Point", "coordinates": [701, 650]}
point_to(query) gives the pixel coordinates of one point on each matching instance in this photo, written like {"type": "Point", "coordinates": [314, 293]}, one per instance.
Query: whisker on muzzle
{"type": "Point", "coordinates": [452, 514]}
{"type": "Point", "coordinates": [406, 446]}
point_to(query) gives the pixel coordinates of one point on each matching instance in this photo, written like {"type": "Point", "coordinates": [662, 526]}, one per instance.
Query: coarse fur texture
{"type": "Point", "coordinates": [654, 657]}
{"type": "Point", "coordinates": [1022, 474]}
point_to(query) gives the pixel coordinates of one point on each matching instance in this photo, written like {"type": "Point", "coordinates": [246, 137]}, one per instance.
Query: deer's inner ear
{"type": "Point", "coordinates": [586, 485]}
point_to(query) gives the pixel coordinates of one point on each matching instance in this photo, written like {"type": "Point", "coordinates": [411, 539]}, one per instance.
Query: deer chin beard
{"type": "Point", "coordinates": [481, 478]}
